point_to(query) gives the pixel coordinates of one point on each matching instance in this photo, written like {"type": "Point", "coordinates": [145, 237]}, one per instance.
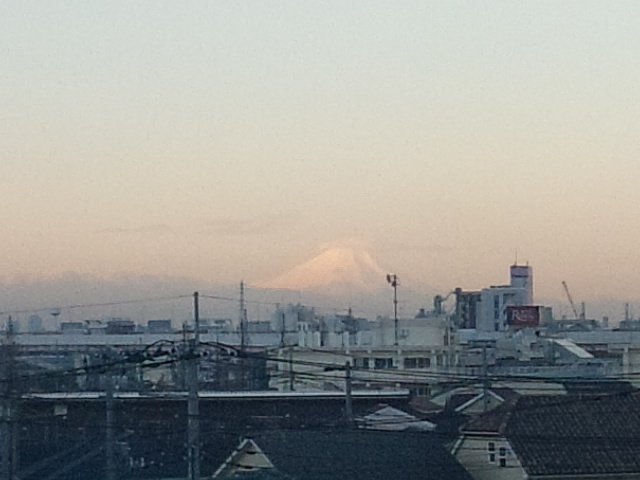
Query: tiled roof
{"type": "Point", "coordinates": [359, 455]}
{"type": "Point", "coordinates": [458, 399]}
{"type": "Point", "coordinates": [494, 420]}
{"type": "Point", "coordinates": [569, 435]}
{"type": "Point", "coordinates": [423, 406]}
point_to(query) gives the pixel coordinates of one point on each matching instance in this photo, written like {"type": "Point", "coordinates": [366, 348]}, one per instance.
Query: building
{"type": "Point", "coordinates": [575, 436]}
{"type": "Point", "coordinates": [34, 324]}
{"type": "Point", "coordinates": [496, 300]}
{"type": "Point", "coordinates": [328, 454]}
{"type": "Point", "coordinates": [487, 310]}
{"type": "Point", "coordinates": [411, 367]}
{"type": "Point", "coordinates": [159, 326]}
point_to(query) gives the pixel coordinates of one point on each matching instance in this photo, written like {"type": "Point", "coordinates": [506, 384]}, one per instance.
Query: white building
{"type": "Point", "coordinates": [492, 311]}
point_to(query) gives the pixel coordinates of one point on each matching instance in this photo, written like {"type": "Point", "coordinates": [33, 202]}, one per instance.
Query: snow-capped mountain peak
{"type": "Point", "coordinates": [335, 269]}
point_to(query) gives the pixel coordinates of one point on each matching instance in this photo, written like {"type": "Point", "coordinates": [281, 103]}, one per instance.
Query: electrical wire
{"type": "Point", "coordinates": [58, 308]}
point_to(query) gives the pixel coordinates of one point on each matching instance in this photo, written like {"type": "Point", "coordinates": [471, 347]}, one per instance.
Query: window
{"type": "Point", "coordinates": [424, 362]}
{"type": "Point", "coordinates": [491, 449]}
{"type": "Point", "coordinates": [502, 452]}
{"type": "Point", "coordinates": [383, 363]}
{"type": "Point", "coordinates": [364, 362]}
{"type": "Point", "coordinates": [410, 362]}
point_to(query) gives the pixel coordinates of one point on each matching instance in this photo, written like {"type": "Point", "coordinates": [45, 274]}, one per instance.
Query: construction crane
{"type": "Point", "coordinates": [573, 305]}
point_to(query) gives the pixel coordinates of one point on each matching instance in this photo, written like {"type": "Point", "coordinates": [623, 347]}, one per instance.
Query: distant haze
{"type": "Point", "coordinates": [336, 281]}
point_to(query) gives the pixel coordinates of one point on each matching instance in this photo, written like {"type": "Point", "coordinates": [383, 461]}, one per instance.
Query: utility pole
{"type": "Point", "coordinates": [193, 407]}
{"type": "Point", "coordinates": [8, 425]}
{"type": "Point", "coordinates": [282, 331]}
{"type": "Point", "coordinates": [348, 396]}
{"type": "Point", "coordinates": [291, 379]}
{"type": "Point", "coordinates": [392, 279]}
{"type": "Point", "coordinates": [110, 470]}
{"type": "Point", "coordinates": [485, 378]}
{"type": "Point", "coordinates": [243, 341]}
{"type": "Point", "coordinates": [243, 320]}
{"type": "Point", "coordinates": [196, 319]}
{"type": "Point", "coordinates": [5, 425]}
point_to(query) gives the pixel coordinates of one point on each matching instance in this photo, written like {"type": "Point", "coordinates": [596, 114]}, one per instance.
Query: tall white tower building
{"type": "Point", "coordinates": [522, 277]}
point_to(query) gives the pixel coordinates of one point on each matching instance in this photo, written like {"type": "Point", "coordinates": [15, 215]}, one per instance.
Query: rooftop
{"type": "Point", "coordinates": [569, 435]}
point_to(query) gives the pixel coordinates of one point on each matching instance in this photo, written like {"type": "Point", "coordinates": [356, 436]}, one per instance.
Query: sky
{"type": "Point", "coordinates": [227, 140]}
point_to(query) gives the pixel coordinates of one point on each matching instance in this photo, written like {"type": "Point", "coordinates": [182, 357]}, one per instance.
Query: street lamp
{"type": "Point", "coordinates": [392, 279]}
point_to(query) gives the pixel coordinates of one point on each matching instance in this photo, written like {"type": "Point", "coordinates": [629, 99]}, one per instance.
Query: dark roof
{"type": "Point", "coordinates": [458, 399]}
{"type": "Point", "coordinates": [505, 392]}
{"type": "Point", "coordinates": [598, 387]}
{"type": "Point", "coordinates": [422, 406]}
{"type": "Point", "coordinates": [335, 454]}
{"type": "Point", "coordinates": [259, 475]}
{"type": "Point", "coordinates": [569, 435]}
{"type": "Point", "coordinates": [494, 420]}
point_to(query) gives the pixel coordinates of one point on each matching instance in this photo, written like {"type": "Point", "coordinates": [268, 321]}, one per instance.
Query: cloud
{"type": "Point", "coordinates": [266, 225]}
{"type": "Point", "coordinates": [155, 228]}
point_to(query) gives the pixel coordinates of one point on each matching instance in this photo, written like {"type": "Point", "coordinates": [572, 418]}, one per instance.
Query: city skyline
{"type": "Point", "coordinates": [232, 141]}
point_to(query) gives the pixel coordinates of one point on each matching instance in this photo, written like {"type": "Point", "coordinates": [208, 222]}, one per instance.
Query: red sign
{"type": "Point", "coordinates": [523, 316]}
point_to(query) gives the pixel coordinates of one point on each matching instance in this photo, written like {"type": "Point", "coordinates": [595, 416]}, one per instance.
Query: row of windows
{"type": "Point", "coordinates": [378, 363]}
{"type": "Point", "coordinates": [422, 362]}
{"type": "Point", "coordinates": [381, 363]}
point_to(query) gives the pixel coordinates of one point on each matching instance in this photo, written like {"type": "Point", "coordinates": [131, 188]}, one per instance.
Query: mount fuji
{"type": "Point", "coordinates": [334, 271]}
{"type": "Point", "coordinates": [344, 277]}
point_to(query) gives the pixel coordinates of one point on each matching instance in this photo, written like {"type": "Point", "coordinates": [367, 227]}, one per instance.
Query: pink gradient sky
{"type": "Point", "coordinates": [227, 140]}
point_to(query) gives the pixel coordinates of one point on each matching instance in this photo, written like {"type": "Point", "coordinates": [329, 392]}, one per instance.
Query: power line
{"type": "Point", "coordinates": [90, 305]}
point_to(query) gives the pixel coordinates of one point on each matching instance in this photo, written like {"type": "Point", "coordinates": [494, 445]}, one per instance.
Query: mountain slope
{"type": "Point", "coordinates": [336, 269]}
